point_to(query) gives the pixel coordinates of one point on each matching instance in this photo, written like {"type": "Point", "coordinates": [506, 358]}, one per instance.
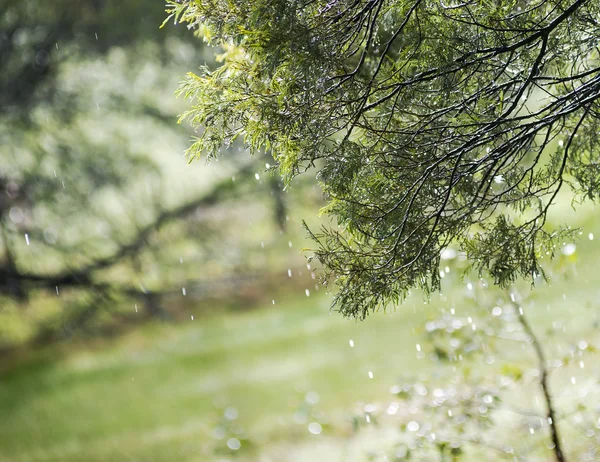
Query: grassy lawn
{"type": "Point", "coordinates": [160, 393]}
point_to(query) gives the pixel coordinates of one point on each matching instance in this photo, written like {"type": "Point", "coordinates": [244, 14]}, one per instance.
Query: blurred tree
{"type": "Point", "coordinates": [89, 208]}
{"type": "Point", "coordinates": [431, 124]}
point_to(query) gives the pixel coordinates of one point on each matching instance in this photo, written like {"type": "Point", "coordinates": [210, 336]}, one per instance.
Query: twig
{"type": "Point", "coordinates": [551, 415]}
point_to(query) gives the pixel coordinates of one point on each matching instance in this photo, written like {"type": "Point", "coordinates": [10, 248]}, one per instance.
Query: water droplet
{"type": "Point", "coordinates": [183, 291]}
{"type": "Point", "coordinates": [315, 428]}
{"type": "Point", "coordinates": [351, 343]}
{"type": "Point", "coordinates": [307, 292]}
{"type": "Point", "coordinates": [234, 444]}
{"type": "Point", "coordinates": [312, 397]}
{"type": "Point", "coordinates": [370, 374]}
{"type": "Point", "coordinates": [16, 215]}
{"type": "Point", "coordinates": [257, 176]}
{"type": "Point", "coordinates": [569, 249]}
{"type": "Point", "coordinates": [192, 317]}
{"type": "Point", "coordinates": [289, 272]}
{"type": "Point", "coordinates": [497, 311]}
{"type": "Point", "coordinates": [418, 347]}
{"type": "Point", "coordinates": [231, 413]}
{"type": "Point", "coordinates": [393, 408]}
{"type": "Point", "coordinates": [448, 254]}
{"type": "Point", "coordinates": [412, 426]}
{"type": "Point", "coordinates": [470, 286]}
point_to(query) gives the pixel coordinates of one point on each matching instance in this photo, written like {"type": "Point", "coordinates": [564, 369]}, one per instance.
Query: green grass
{"type": "Point", "coordinates": [165, 386]}
{"type": "Point", "coordinates": [157, 394]}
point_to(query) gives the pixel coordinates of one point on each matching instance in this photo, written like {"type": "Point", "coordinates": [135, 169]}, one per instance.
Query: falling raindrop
{"type": "Point", "coordinates": [370, 374]}
{"type": "Point", "coordinates": [307, 292]}
{"type": "Point", "coordinates": [351, 343]}
{"type": "Point", "coordinates": [183, 291]}
{"type": "Point", "coordinates": [591, 236]}
{"type": "Point", "coordinates": [289, 272]}
{"type": "Point", "coordinates": [27, 238]}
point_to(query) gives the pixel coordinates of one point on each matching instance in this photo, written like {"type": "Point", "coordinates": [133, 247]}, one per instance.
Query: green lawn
{"type": "Point", "coordinates": [160, 393]}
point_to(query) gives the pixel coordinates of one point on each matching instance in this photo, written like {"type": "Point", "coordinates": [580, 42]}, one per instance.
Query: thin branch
{"type": "Point", "coordinates": [542, 364]}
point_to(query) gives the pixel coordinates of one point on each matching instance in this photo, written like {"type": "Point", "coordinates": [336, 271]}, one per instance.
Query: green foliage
{"type": "Point", "coordinates": [429, 123]}
{"type": "Point", "coordinates": [97, 205]}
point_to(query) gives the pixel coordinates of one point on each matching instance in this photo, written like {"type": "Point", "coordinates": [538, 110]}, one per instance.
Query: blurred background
{"type": "Point", "coordinates": [153, 309]}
